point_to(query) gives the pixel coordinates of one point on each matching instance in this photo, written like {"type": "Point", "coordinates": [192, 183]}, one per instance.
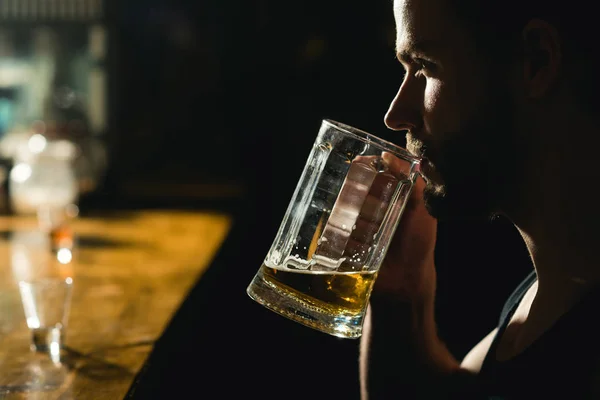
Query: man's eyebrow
{"type": "Point", "coordinates": [409, 51]}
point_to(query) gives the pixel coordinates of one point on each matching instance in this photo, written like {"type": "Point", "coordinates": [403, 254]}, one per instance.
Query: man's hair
{"type": "Point", "coordinates": [497, 26]}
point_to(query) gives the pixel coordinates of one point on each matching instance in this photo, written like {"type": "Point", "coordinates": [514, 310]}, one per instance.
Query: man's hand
{"type": "Point", "coordinates": [408, 270]}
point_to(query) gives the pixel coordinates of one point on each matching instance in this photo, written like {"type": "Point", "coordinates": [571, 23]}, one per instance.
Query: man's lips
{"type": "Point", "coordinates": [418, 148]}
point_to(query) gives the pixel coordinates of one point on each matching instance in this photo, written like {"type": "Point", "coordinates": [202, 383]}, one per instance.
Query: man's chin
{"type": "Point", "coordinates": [434, 200]}
{"type": "Point", "coordinates": [443, 206]}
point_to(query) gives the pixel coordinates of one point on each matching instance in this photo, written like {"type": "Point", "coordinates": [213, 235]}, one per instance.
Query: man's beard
{"type": "Point", "coordinates": [478, 166]}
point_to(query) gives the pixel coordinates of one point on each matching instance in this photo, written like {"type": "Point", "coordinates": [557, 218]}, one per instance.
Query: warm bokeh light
{"type": "Point", "coordinates": [64, 256]}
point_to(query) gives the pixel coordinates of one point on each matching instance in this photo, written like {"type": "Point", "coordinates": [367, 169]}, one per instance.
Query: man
{"type": "Point", "coordinates": [498, 97]}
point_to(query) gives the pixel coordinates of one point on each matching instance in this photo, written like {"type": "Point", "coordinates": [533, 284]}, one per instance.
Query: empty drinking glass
{"type": "Point", "coordinates": [46, 303]}
{"type": "Point", "coordinates": [45, 284]}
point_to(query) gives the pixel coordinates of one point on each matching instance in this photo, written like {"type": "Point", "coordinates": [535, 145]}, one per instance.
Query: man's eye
{"type": "Point", "coordinates": [425, 67]}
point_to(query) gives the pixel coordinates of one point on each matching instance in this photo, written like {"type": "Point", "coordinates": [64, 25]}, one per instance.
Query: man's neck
{"type": "Point", "coordinates": [554, 210]}
{"type": "Point", "coordinates": [557, 221]}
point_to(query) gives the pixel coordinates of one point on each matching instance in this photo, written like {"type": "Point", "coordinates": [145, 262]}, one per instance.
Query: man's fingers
{"type": "Point", "coordinates": [376, 204]}
{"type": "Point", "coordinates": [398, 167]}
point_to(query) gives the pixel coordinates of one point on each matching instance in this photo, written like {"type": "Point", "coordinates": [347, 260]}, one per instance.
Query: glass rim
{"type": "Point", "coordinates": [369, 138]}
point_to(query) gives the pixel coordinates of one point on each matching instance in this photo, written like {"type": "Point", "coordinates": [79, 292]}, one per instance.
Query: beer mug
{"type": "Point", "coordinates": [324, 260]}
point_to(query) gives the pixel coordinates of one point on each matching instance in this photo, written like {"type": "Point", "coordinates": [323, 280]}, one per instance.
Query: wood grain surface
{"type": "Point", "coordinates": [130, 270]}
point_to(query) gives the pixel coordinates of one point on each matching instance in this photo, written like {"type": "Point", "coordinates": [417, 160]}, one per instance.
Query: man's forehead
{"type": "Point", "coordinates": [419, 21]}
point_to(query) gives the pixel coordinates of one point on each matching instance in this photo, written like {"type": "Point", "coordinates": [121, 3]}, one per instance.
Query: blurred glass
{"type": "Point", "coordinates": [53, 76]}
{"type": "Point", "coordinates": [45, 281]}
{"type": "Point", "coordinates": [46, 303]}
{"type": "Point", "coordinates": [43, 182]}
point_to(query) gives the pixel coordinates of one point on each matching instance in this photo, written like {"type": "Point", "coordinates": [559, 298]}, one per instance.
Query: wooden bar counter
{"type": "Point", "coordinates": [131, 271]}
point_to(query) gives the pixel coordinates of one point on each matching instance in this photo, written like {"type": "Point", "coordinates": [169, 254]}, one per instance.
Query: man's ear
{"type": "Point", "coordinates": [542, 57]}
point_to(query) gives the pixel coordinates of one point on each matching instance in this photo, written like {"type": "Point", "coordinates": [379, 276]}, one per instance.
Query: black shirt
{"type": "Point", "coordinates": [561, 364]}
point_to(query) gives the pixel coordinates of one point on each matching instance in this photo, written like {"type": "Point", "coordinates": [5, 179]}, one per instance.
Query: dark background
{"type": "Point", "coordinates": [224, 98]}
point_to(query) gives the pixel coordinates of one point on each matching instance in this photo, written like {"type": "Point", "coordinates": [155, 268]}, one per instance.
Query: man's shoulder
{"type": "Point", "coordinates": [474, 359]}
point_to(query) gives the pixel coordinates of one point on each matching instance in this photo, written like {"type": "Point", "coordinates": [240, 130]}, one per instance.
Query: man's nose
{"type": "Point", "coordinates": [403, 113]}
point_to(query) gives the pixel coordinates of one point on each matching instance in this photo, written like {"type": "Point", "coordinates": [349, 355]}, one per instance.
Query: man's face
{"type": "Point", "coordinates": [457, 113]}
